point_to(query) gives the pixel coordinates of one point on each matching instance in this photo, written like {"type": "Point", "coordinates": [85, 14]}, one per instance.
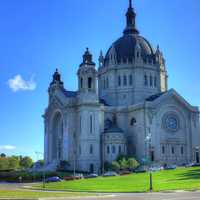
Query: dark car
{"type": "Point", "coordinates": [91, 176]}
{"type": "Point", "coordinates": [53, 179]}
{"type": "Point", "coordinates": [171, 167]}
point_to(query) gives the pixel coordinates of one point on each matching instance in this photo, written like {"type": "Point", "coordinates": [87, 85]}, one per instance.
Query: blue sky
{"type": "Point", "coordinates": [38, 36]}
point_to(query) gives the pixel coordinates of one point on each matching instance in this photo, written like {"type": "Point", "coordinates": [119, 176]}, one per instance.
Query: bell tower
{"type": "Point", "coordinates": [87, 74]}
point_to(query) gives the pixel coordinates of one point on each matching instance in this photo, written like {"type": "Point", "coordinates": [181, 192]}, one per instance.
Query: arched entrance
{"type": "Point", "coordinates": [57, 137]}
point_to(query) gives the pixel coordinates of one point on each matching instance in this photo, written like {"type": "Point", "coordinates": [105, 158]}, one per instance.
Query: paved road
{"type": "Point", "coordinates": [139, 196]}
{"type": "Point", "coordinates": [149, 196]}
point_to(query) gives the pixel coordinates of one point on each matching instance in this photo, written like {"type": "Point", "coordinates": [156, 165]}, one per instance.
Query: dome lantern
{"type": "Point", "coordinates": [130, 20]}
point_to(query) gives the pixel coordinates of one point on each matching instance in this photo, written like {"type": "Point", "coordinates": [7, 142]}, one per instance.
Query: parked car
{"type": "Point", "coordinates": [53, 179]}
{"type": "Point", "coordinates": [155, 169]}
{"type": "Point", "coordinates": [124, 172]}
{"type": "Point", "coordinates": [170, 167]}
{"type": "Point", "coordinates": [91, 176]}
{"type": "Point", "coordinates": [195, 165]}
{"type": "Point", "coordinates": [141, 169]}
{"type": "Point", "coordinates": [75, 177]}
{"type": "Point", "coordinates": [110, 173]}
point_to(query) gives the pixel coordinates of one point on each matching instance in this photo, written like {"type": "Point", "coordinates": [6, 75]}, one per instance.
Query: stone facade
{"type": "Point", "coordinates": [123, 108]}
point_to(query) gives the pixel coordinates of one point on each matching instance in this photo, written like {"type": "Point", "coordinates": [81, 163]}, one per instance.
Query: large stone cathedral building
{"type": "Point", "coordinates": [124, 107]}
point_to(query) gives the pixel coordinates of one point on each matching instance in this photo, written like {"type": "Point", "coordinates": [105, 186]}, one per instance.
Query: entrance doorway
{"type": "Point", "coordinates": [152, 156]}
{"type": "Point", "coordinates": [91, 168]}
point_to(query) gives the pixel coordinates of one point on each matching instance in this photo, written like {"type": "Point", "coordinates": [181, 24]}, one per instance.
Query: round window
{"type": "Point", "coordinates": [171, 122]}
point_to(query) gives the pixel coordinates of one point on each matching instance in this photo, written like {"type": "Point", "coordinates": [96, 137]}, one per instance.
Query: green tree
{"type": "Point", "coordinates": [115, 166]}
{"type": "Point", "coordinates": [41, 162]}
{"type": "Point", "coordinates": [123, 163]}
{"type": "Point", "coordinates": [132, 163]}
{"type": "Point", "coordinates": [26, 162]}
{"type": "Point", "coordinates": [107, 166]}
{"type": "Point", "coordinates": [2, 155]}
{"type": "Point", "coordinates": [4, 163]}
{"type": "Point", "coordinates": [13, 162]}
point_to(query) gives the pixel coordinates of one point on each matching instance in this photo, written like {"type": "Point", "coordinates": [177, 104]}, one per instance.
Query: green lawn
{"type": "Point", "coordinates": [179, 179]}
{"type": "Point", "coordinates": [34, 194]}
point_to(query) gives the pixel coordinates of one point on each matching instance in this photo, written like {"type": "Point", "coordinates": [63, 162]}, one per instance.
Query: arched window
{"type": "Point", "coordinates": [80, 124]}
{"type": "Point", "coordinates": [163, 150]}
{"type": "Point", "coordinates": [151, 81]}
{"type": "Point", "coordinates": [130, 79]}
{"type": "Point", "coordinates": [125, 80]}
{"type": "Point", "coordinates": [80, 149]}
{"type": "Point", "coordinates": [138, 54]}
{"type": "Point", "coordinates": [133, 121]}
{"type": "Point", "coordinates": [155, 81]}
{"type": "Point", "coordinates": [108, 149]}
{"type": "Point", "coordinates": [91, 149]}
{"type": "Point", "coordinates": [120, 149]}
{"type": "Point", "coordinates": [81, 82]}
{"type": "Point", "coordinates": [113, 149]}
{"type": "Point", "coordinates": [182, 150]}
{"type": "Point", "coordinates": [89, 83]}
{"type": "Point", "coordinates": [173, 151]}
{"type": "Point", "coordinates": [145, 80]}
{"type": "Point", "coordinates": [91, 125]}
{"type": "Point", "coordinates": [119, 80]}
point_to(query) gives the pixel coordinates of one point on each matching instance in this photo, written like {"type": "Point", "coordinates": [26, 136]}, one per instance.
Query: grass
{"type": "Point", "coordinates": [34, 194]}
{"type": "Point", "coordinates": [179, 179]}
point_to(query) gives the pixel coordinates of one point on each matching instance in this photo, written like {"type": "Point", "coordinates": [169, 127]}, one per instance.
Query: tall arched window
{"type": "Point", "coordinates": [145, 80]}
{"type": "Point", "coordinates": [120, 149]}
{"type": "Point", "coordinates": [80, 124]}
{"type": "Point", "coordinates": [151, 81]}
{"type": "Point", "coordinates": [91, 125]}
{"type": "Point", "coordinates": [91, 149]}
{"type": "Point", "coordinates": [80, 149]}
{"type": "Point", "coordinates": [155, 81]}
{"type": "Point", "coordinates": [108, 149]}
{"type": "Point", "coordinates": [119, 80]}
{"type": "Point", "coordinates": [125, 80]}
{"type": "Point", "coordinates": [81, 82]}
{"type": "Point", "coordinates": [163, 150]}
{"type": "Point", "coordinates": [89, 83]}
{"type": "Point", "coordinates": [130, 79]}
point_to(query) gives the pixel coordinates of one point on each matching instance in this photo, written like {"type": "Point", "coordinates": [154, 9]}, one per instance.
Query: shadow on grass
{"type": "Point", "coordinates": [189, 175]}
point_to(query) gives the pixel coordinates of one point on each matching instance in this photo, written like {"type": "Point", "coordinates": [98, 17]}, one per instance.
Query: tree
{"type": "Point", "coordinates": [132, 163]}
{"type": "Point", "coordinates": [115, 166]}
{"type": "Point", "coordinates": [26, 162]}
{"type": "Point", "coordinates": [13, 162]}
{"type": "Point", "coordinates": [123, 163]}
{"type": "Point", "coordinates": [2, 155]}
{"type": "Point", "coordinates": [41, 162]}
{"type": "Point", "coordinates": [107, 166]}
{"type": "Point", "coordinates": [4, 163]}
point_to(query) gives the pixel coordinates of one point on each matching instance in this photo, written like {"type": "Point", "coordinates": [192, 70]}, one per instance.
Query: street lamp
{"type": "Point", "coordinates": [43, 171]}
{"type": "Point", "coordinates": [148, 142]}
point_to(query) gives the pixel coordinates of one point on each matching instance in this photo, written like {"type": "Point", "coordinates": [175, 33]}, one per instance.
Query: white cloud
{"type": "Point", "coordinates": [7, 147]}
{"type": "Point", "coordinates": [18, 83]}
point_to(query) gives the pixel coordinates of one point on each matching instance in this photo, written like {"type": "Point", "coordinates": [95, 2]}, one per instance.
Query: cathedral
{"type": "Point", "coordinates": [124, 107]}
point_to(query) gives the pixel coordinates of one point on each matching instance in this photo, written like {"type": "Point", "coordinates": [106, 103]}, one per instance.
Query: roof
{"type": "Point", "coordinates": [103, 102]}
{"type": "Point", "coordinates": [125, 47]}
{"type": "Point", "coordinates": [70, 94]}
{"type": "Point", "coordinates": [113, 129]}
{"type": "Point", "coordinates": [155, 96]}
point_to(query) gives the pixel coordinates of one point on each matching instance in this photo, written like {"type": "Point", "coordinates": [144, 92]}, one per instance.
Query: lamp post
{"type": "Point", "coordinates": [148, 142]}
{"type": "Point", "coordinates": [43, 171]}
